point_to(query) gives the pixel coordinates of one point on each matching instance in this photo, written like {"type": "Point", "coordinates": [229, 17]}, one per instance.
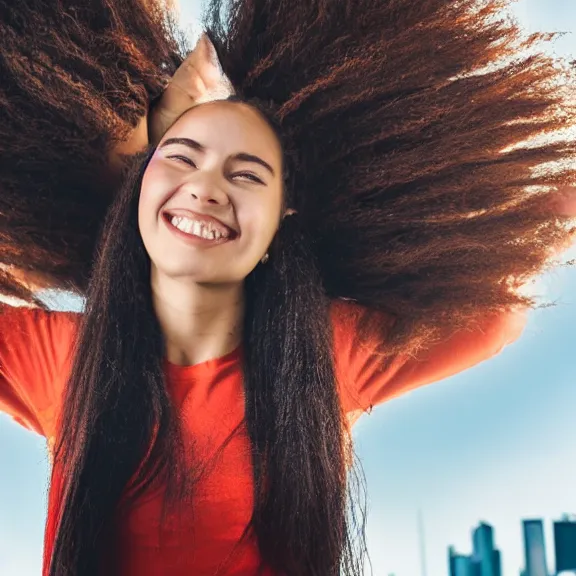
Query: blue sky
{"type": "Point", "coordinates": [492, 444]}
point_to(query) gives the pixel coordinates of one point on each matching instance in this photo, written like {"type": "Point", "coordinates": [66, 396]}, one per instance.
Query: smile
{"type": "Point", "coordinates": [198, 228]}
{"type": "Point", "coordinates": [201, 232]}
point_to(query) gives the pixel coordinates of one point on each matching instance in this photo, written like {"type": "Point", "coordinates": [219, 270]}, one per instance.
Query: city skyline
{"type": "Point", "coordinates": [485, 556]}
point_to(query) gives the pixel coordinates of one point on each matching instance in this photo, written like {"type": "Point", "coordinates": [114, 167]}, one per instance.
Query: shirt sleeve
{"type": "Point", "coordinates": [366, 379]}
{"type": "Point", "coordinates": [35, 348]}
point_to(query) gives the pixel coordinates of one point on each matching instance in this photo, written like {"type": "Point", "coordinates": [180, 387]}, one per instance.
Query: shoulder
{"type": "Point", "coordinates": [355, 326]}
{"type": "Point", "coordinates": [36, 328]}
{"type": "Point", "coordinates": [346, 315]}
{"type": "Point", "coordinates": [355, 345]}
{"type": "Point", "coordinates": [36, 349]}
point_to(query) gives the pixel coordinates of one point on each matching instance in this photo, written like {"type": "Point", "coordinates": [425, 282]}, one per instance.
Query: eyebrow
{"type": "Point", "coordinates": [185, 141]}
{"type": "Point", "coordinates": [242, 156]}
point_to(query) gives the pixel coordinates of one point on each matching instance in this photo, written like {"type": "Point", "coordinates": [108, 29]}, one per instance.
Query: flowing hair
{"type": "Point", "coordinates": [426, 181]}
{"type": "Point", "coordinates": [411, 121]}
{"type": "Point", "coordinates": [76, 77]}
{"type": "Point", "coordinates": [117, 410]}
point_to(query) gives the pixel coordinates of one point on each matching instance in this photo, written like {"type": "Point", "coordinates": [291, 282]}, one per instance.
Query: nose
{"type": "Point", "coordinates": [207, 191]}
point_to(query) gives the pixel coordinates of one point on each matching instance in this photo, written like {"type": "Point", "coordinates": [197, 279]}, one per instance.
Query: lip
{"type": "Point", "coordinates": [190, 238]}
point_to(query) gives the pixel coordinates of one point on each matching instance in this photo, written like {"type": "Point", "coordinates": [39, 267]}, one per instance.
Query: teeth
{"type": "Point", "coordinates": [186, 226]}
{"type": "Point", "coordinates": [201, 229]}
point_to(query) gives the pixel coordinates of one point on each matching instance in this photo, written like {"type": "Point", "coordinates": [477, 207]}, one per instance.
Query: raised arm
{"type": "Point", "coordinates": [35, 347]}
{"type": "Point", "coordinates": [369, 380]}
{"type": "Point", "coordinates": [198, 79]}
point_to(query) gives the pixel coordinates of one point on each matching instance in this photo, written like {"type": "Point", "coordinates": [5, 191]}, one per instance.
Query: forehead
{"type": "Point", "coordinates": [229, 127]}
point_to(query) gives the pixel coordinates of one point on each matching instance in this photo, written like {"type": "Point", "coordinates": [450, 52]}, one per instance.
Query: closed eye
{"type": "Point", "coordinates": [248, 176]}
{"type": "Point", "coordinates": [183, 159]}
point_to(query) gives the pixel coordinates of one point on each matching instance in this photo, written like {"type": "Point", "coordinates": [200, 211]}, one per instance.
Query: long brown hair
{"type": "Point", "coordinates": [405, 119]}
{"type": "Point", "coordinates": [76, 77]}
{"type": "Point", "coordinates": [409, 119]}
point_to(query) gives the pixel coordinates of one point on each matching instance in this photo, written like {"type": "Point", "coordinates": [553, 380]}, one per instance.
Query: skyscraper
{"type": "Point", "coordinates": [565, 545]}
{"type": "Point", "coordinates": [534, 548]}
{"type": "Point", "coordinates": [497, 563]}
{"type": "Point", "coordinates": [461, 565]}
{"type": "Point", "coordinates": [485, 554]}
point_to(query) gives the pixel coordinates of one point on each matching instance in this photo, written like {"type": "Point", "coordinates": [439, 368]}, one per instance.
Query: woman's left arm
{"type": "Point", "coordinates": [368, 379]}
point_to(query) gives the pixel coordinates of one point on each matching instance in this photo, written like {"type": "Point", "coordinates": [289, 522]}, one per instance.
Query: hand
{"type": "Point", "coordinates": [565, 207]}
{"type": "Point", "coordinates": [198, 79]}
{"type": "Point", "coordinates": [566, 204]}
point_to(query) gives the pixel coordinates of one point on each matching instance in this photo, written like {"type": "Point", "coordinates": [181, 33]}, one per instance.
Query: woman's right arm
{"type": "Point", "coordinates": [198, 79]}
{"type": "Point", "coordinates": [35, 355]}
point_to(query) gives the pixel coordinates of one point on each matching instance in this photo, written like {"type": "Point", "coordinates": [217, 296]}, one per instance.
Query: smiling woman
{"type": "Point", "coordinates": [202, 423]}
{"type": "Point", "coordinates": [219, 169]}
{"type": "Point", "coordinates": [232, 371]}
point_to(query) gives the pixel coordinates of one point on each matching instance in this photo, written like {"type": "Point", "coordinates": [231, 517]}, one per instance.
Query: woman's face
{"type": "Point", "coordinates": [211, 195]}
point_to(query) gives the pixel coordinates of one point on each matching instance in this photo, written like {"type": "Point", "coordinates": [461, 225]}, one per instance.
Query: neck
{"type": "Point", "coordinates": [199, 322]}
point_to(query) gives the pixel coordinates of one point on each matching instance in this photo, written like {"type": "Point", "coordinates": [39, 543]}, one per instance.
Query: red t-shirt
{"type": "Point", "coordinates": [35, 357]}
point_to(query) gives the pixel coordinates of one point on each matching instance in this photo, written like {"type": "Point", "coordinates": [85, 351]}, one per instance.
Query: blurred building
{"type": "Point", "coordinates": [497, 563]}
{"type": "Point", "coordinates": [534, 548]}
{"type": "Point", "coordinates": [461, 565]}
{"type": "Point", "coordinates": [484, 560]}
{"type": "Point", "coordinates": [565, 545]}
{"type": "Point", "coordinates": [487, 556]}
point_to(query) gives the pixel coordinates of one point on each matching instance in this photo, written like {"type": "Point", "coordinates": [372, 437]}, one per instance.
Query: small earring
{"type": "Point", "coordinates": [264, 258]}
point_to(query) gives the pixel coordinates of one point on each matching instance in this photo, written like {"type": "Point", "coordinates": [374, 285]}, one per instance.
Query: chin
{"type": "Point", "coordinates": [201, 272]}
{"type": "Point", "coordinates": [202, 278]}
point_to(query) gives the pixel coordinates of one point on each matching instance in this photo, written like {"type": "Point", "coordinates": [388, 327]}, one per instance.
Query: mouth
{"type": "Point", "coordinates": [199, 227]}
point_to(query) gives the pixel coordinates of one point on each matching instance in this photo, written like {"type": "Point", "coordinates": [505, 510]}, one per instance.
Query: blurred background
{"type": "Point", "coordinates": [482, 462]}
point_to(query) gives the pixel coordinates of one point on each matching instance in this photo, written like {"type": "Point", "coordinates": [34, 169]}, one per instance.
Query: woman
{"type": "Point", "coordinates": [264, 364]}
{"type": "Point", "coordinates": [205, 281]}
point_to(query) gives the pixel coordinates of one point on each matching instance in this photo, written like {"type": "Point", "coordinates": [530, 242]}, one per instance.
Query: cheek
{"type": "Point", "coordinates": [153, 193]}
{"type": "Point", "coordinates": [263, 219]}
{"type": "Point", "coordinates": [145, 206]}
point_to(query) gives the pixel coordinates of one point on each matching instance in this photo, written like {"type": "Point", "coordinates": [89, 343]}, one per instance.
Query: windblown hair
{"type": "Point", "coordinates": [76, 77]}
{"type": "Point", "coordinates": [417, 196]}
{"type": "Point", "coordinates": [420, 194]}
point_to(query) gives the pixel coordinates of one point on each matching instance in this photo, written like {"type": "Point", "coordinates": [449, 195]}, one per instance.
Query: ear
{"type": "Point", "coordinates": [289, 212]}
